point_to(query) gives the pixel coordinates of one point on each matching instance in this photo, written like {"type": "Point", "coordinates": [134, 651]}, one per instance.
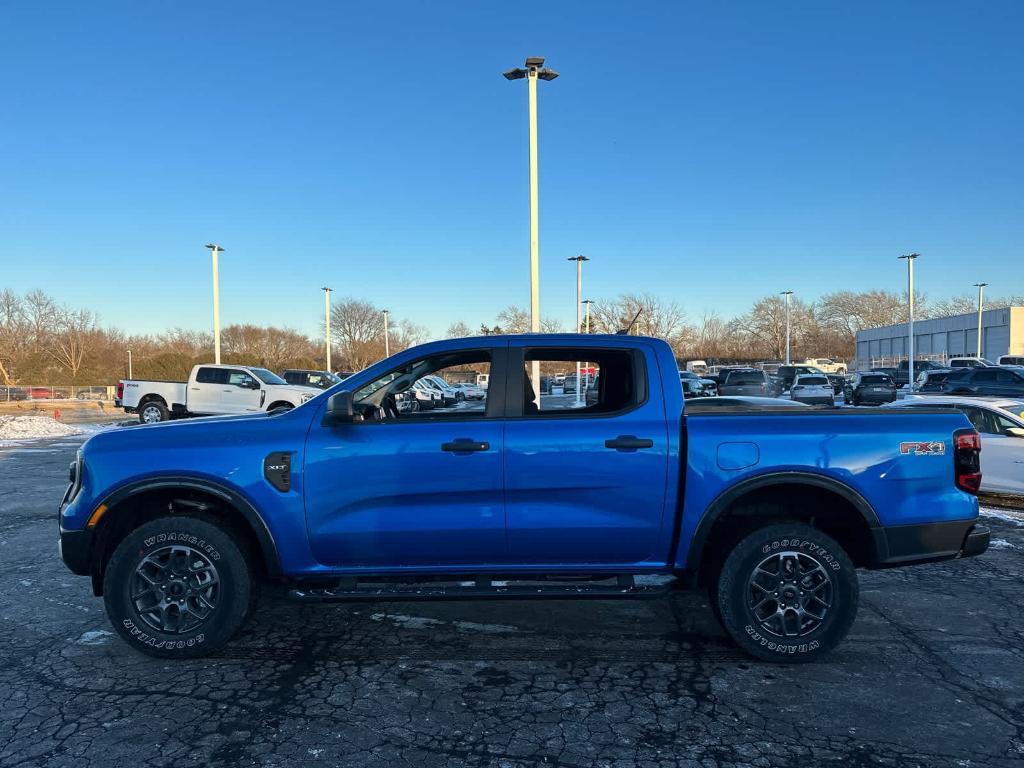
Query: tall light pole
{"type": "Point", "coordinates": [910, 257]}
{"type": "Point", "coordinates": [215, 250]}
{"type": "Point", "coordinates": [587, 303]}
{"type": "Point", "coordinates": [788, 295]}
{"type": "Point", "coordinates": [129, 364]}
{"type": "Point", "coordinates": [981, 308]}
{"type": "Point", "coordinates": [534, 70]}
{"type": "Point", "coordinates": [387, 352]}
{"type": "Point", "coordinates": [579, 293]}
{"type": "Point", "coordinates": [327, 324]}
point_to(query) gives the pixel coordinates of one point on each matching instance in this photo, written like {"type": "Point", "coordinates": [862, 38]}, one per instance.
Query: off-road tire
{"type": "Point", "coordinates": [808, 546]}
{"type": "Point", "coordinates": [235, 594]}
{"type": "Point", "coordinates": [155, 406]}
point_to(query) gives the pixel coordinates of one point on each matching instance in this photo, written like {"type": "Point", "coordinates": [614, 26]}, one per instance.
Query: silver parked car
{"type": "Point", "coordinates": [812, 389]}
{"type": "Point", "coordinates": [1001, 424]}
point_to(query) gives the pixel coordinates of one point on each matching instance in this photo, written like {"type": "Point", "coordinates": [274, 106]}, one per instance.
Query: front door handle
{"type": "Point", "coordinates": [628, 443]}
{"type": "Point", "coordinates": [465, 445]}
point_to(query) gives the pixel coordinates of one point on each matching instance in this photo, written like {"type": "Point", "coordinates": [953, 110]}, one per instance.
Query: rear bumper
{"type": "Point", "coordinates": [875, 397]}
{"type": "Point", "coordinates": [929, 542]}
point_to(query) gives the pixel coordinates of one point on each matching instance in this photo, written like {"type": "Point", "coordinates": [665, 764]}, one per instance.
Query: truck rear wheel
{"type": "Point", "coordinates": [787, 592]}
{"type": "Point", "coordinates": [178, 587]}
{"type": "Point", "coordinates": [152, 412]}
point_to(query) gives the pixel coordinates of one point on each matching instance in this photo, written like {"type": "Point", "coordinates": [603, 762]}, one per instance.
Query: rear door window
{"type": "Point", "coordinates": [876, 378]}
{"type": "Point", "coordinates": [739, 378]}
{"type": "Point", "coordinates": [212, 376]}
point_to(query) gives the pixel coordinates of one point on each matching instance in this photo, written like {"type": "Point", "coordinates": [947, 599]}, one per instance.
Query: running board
{"type": "Point", "coordinates": [484, 588]}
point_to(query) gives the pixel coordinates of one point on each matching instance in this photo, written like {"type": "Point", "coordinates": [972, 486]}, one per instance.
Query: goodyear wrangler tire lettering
{"type": "Point", "coordinates": [178, 587]}
{"type": "Point", "coordinates": [787, 592]}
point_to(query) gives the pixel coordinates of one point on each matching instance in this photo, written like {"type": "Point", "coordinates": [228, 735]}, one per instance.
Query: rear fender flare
{"type": "Point", "coordinates": [730, 495]}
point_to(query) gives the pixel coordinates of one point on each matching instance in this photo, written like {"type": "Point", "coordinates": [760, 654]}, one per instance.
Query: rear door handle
{"type": "Point", "coordinates": [465, 445]}
{"type": "Point", "coordinates": [628, 443]}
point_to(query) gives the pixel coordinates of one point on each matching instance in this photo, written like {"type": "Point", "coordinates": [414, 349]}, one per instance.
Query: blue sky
{"type": "Point", "coordinates": [706, 152]}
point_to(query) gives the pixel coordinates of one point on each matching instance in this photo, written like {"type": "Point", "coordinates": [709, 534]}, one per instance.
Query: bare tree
{"type": "Point", "coordinates": [74, 335]}
{"type": "Point", "coordinates": [515, 319]}
{"type": "Point", "coordinates": [458, 330]}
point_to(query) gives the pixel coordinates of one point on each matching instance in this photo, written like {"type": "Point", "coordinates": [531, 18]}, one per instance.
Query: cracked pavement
{"type": "Point", "coordinates": [932, 674]}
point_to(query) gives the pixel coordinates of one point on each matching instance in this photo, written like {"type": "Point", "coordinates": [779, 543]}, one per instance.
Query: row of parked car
{"type": "Point", "coordinates": [13, 394]}
{"type": "Point", "coordinates": [805, 383]}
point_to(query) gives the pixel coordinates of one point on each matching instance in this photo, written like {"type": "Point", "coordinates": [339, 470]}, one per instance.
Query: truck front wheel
{"type": "Point", "coordinates": [787, 592]}
{"type": "Point", "coordinates": [178, 587]}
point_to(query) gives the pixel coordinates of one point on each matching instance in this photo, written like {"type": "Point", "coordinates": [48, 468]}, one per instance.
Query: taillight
{"type": "Point", "coordinates": [120, 390]}
{"type": "Point", "coordinates": [967, 459]}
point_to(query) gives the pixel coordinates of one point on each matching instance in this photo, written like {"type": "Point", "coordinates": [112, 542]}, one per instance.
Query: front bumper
{"type": "Point", "coordinates": [929, 542]}
{"type": "Point", "coordinates": [75, 548]}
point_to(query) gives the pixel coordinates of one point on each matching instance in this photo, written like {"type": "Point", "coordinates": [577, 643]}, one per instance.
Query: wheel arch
{"type": "Point", "coordinates": [281, 404]}
{"type": "Point", "coordinates": [786, 496]}
{"type": "Point", "coordinates": [136, 503]}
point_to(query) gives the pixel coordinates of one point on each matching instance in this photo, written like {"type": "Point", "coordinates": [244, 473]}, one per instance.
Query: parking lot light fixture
{"type": "Point", "coordinates": [533, 71]}
{"type": "Point", "coordinates": [911, 258]}
{"type": "Point", "coordinates": [579, 292]}
{"type": "Point", "coordinates": [327, 324]}
{"type": "Point", "coordinates": [788, 295]}
{"type": "Point", "coordinates": [981, 309]}
{"type": "Point", "coordinates": [387, 351]}
{"type": "Point", "coordinates": [216, 250]}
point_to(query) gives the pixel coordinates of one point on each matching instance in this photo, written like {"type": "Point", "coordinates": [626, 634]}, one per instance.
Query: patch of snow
{"type": "Point", "coordinates": [1006, 515]}
{"type": "Point", "coordinates": [34, 427]}
{"type": "Point", "coordinates": [490, 629]}
{"type": "Point", "coordinates": [1001, 544]}
{"type": "Point", "coordinates": [422, 622]}
{"type": "Point", "coordinates": [95, 637]}
{"type": "Point", "coordinates": [412, 622]}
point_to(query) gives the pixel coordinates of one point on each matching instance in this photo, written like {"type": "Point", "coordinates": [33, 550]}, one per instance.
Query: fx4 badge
{"type": "Point", "coordinates": [926, 448]}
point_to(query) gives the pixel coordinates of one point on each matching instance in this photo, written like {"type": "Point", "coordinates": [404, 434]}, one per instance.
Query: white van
{"type": "Point", "coordinates": [697, 366]}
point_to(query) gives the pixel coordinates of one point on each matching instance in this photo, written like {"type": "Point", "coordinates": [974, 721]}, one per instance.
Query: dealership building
{"type": "Point", "coordinates": [1002, 333]}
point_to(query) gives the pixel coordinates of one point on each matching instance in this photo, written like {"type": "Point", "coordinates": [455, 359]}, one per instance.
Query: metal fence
{"type": "Point", "coordinates": [54, 392]}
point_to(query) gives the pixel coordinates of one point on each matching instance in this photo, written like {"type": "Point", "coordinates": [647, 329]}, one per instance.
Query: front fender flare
{"type": "Point", "coordinates": [256, 523]}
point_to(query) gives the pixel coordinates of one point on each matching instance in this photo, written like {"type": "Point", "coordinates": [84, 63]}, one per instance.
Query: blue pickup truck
{"type": "Point", "coordinates": [352, 497]}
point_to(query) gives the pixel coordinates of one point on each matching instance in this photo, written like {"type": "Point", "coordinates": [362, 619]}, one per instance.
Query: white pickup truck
{"type": "Point", "coordinates": [825, 365]}
{"type": "Point", "coordinates": [210, 390]}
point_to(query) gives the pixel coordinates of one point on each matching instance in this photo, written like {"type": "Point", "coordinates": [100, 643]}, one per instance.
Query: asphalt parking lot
{"type": "Point", "coordinates": [931, 675]}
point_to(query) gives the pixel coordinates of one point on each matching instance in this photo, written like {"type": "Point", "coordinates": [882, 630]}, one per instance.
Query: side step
{"type": "Point", "coordinates": [485, 588]}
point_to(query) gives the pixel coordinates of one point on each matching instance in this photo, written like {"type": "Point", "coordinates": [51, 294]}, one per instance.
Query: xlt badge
{"type": "Point", "coordinates": [277, 468]}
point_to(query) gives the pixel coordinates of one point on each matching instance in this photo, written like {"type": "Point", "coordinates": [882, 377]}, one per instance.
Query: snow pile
{"type": "Point", "coordinates": [33, 427]}
{"type": "Point", "coordinates": [1006, 515]}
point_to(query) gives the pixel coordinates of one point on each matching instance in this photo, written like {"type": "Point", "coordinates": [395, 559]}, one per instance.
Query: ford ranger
{"type": "Point", "coordinates": [348, 497]}
{"type": "Point", "coordinates": [210, 390]}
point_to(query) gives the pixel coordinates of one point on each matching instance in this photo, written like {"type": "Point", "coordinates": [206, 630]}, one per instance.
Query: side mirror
{"type": "Point", "coordinates": [252, 384]}
{"type": "Point", "coordinates": [339, 408]}
{"type": "Point", "coordinates": [1015, 431]}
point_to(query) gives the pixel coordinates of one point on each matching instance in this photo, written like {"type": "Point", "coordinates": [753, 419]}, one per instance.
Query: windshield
{"type": "Point", "coordinates": [267, 377]}
{"type": "Point", "coordinates": [875, 379]}
{"type": "Point", "coordinates": [812, 380]}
